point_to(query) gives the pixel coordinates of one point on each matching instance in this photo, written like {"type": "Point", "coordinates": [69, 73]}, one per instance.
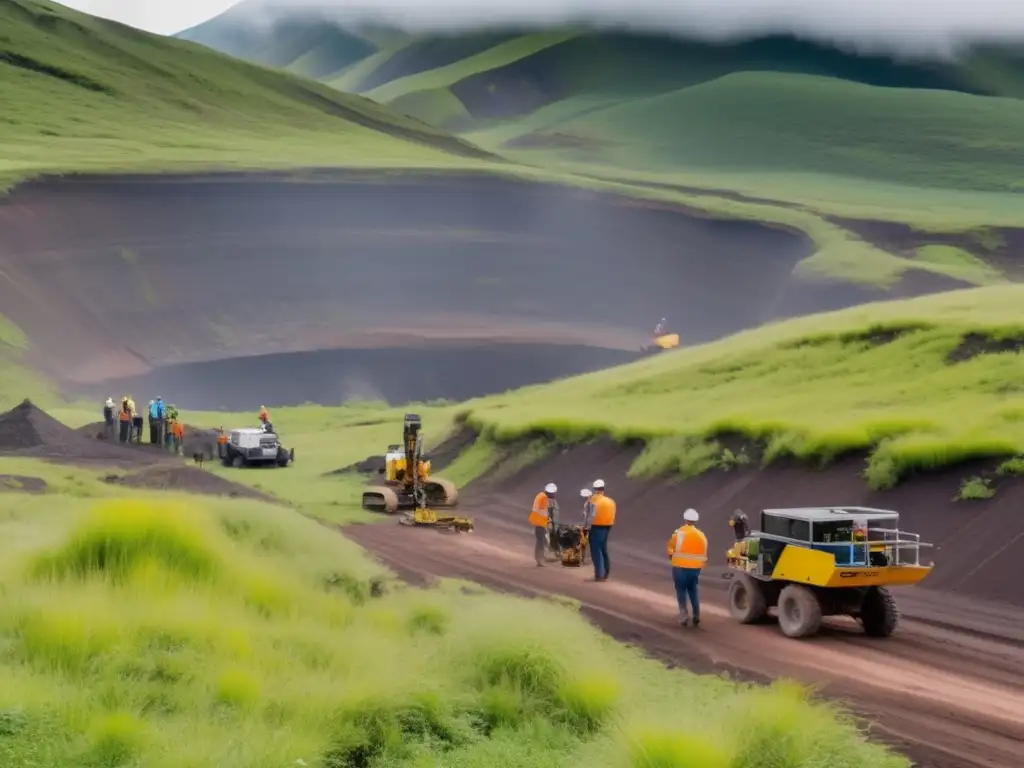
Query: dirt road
{"type": "Point", "coordinates": [946, 690]}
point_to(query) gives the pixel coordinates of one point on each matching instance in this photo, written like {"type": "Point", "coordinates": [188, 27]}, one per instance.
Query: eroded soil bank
{"type": "Point", "coordinates": [110, 277]}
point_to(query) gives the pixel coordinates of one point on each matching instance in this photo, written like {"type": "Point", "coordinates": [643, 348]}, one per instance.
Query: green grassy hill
{"type": "Point", "coordinates": [758, 121]}
{"type": "Point", "coordinates": [775, 118]}
{"type": "Point", "coordinates": [80, 92]}
{"type": "Point", "coordinates": [920, 385]}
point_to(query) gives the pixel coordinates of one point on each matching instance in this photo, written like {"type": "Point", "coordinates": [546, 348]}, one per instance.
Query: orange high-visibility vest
{"type": "Point", "coordinates": [539, 513]}
{"type": "Point", "coordinates": [688, 547]}
{"type": "Point", "coordinates": [604, 510]}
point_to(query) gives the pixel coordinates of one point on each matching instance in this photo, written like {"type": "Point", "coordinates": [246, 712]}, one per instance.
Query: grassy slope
{"type": "Point", "coordinates": [763, 122]}
{"type": "Point", "coordinates": [187, 632]}
{"type": "Point", "coordinates": [500, 55]}
{"type": "Point", "coordinates": [81, 93]}
{"type": "Point", "coordinates": [813, 387]}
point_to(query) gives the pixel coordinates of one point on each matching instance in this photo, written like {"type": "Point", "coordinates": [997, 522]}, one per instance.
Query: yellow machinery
{"type": "Point", "coordinates": [811, 562]}
{"type": "Point", "coordinates": [415, 493]}
{"type": "Point", "coordinates": [661, 341]}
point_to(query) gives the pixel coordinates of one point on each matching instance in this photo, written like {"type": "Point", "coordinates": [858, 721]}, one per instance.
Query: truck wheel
{"type": "Point", "coordinates": [878, 612]}
{"type": "Point", "coordinates": [237, 461]}
{"type": "Point", "coordinates": [746, 600]}
{"type": "Point", "coordinates": [799, 611]}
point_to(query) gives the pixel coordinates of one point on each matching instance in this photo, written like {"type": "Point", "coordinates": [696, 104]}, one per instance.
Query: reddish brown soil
{"type": "Point", "coordinates": [947, 689]}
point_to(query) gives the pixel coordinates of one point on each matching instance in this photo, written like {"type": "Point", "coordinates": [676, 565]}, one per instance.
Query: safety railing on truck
{"type": "Point", "coordinates": [857, 554]}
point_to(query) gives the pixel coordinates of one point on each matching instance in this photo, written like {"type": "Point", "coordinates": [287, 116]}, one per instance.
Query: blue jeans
{"type": "Point", "coordinates": [599, 550]}
{"type": "Point", "coordinates": [685, 580]}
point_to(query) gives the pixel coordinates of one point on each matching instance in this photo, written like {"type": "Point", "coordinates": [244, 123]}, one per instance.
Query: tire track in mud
{"type": "Point", "coordinates": [942, 696]}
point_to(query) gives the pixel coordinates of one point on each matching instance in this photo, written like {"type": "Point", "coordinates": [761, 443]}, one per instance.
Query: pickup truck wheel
{"type": "Point", "coordinates": [238, 461]}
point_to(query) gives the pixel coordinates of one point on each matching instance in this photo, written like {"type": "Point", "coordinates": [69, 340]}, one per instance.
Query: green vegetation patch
{"type": "Point", "coordinates": [771, 122]}
{"type": "Point", "coordinates": [186, 633]}
{"type": "Point", "coordinates": [81, 93]}
{"type": "Point", "coordinates": [879, 378]}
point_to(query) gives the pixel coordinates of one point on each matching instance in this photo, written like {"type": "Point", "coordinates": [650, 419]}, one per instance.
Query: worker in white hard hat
{"type": "Point", "coordinates": [600, 529]}
{"type": "Point", "coordinates": [544, 511]}
{"type": "Point", "coordinates": [588, 507]}
{"type": "Point", "coordinates": [688, 551]}
{"type": "Point", "coordinates": [109, 416]}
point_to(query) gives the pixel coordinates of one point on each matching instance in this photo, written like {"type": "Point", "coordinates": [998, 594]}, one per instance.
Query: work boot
{"type": "Point", "coordinates": [684, 620]}
{"type": "Point", "coordinates": [696, 621]}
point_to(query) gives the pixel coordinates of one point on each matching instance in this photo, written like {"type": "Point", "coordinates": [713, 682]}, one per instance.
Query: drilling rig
{"type": "Point", "coordinates": [409, 487]}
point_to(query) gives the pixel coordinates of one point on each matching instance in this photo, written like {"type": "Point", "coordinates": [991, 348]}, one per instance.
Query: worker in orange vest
{"type": "Point", "coordinates": [178, 433]}
{"type": "Point", "coordinates": [688, 550]}
{"type": "Point", "coordinates": [222, 441]}
{"type": "Point", "coordinates": [600, 529]}
{"type": "Point", "coordinates": [544, 509]}
{"type": "Point", "coordinates": [124, 419]}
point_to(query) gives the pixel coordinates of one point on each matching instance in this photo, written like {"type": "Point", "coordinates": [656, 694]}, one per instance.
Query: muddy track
{"type": "Point", "coordinates": [948, 692]}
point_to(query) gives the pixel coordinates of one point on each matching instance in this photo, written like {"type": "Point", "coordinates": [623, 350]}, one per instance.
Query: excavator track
{"type": "Point", "coordinates": [380, 499]}
{"type": "Point", "coordinates": [435, 486]}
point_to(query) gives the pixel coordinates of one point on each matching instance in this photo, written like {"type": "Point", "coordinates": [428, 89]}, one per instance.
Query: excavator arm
{"type": "Point", "coordinates": [417, 493]}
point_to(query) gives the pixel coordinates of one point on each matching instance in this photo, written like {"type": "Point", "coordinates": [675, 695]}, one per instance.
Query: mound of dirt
{"type": "Point", "coordinates": [974, 541]}
{"type": "Point", "coordinates": [26, 430]}
{"type": "Point", "coordinates": [188, 479]}
{"type": "Point", "coordinates": [197, 440]}
{"type": "Point", "coordinates": [22, 483]}
{"type": "Point", "coordinates": [371, 465]}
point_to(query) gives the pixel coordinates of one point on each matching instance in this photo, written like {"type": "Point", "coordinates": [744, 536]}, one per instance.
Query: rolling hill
{"type": "Point", "coordinates": [647, 102]}
{"type": "Point", "coordinates": [82, 92]}
{"type": "Point", "coordinates": [776, 121]}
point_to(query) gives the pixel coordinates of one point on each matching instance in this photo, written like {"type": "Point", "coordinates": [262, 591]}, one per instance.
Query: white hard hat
{"type": "Point", "coordinates": [598, 485]}
{"type": "Point", "coordinates": [586, 493]}
{"type": "Point", "coordinates": [550, 488]}
{"type": "Point", "coordinates": [691, 516]}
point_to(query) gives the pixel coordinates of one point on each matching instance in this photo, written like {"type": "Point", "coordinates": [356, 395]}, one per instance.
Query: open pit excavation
{"type": "Point", "coordinates": [115, 278]}
{"type": "Point", "coordinates": [443, 371]}
{"type": "Point", "coordinates": [946, 689]}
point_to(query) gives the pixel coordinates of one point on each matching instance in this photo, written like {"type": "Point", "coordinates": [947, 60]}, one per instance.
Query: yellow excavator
{"type": "Point", "coordinates": [410, 488]}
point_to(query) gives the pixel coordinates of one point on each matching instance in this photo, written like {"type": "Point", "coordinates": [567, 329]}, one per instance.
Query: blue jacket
{"type": "Point", "coordinates": [158, 410]}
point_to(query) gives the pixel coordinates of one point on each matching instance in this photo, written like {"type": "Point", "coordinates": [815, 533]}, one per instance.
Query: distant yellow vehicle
{"type": "Point", "coordinates": [811, 562]}
{"type": "Point", "coordinates": [661, 340]}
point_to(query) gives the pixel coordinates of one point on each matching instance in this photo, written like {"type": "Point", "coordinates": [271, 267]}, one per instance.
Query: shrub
{"type": "Point", "coordinates": [121, 537]}
{"type": "Point", "coordinates": [975, 489]}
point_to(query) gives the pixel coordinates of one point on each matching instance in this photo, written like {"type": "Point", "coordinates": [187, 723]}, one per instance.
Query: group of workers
{"type": "Point", "coordinates": [124, 420]}
{"type": "Point", "coordinates": [687, 548]}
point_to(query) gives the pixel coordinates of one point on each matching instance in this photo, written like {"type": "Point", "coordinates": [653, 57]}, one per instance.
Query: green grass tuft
{"type": "Point", "coordinates": [115, 740]}
{"type": "Point", "coordinates": [123, 539]}
{"type": "Point", "coordinates": [1012, 467]}
{"type": "Point", "coordinates": [975, 489]}
{"type": "Point", "coordinates": [675, 748]}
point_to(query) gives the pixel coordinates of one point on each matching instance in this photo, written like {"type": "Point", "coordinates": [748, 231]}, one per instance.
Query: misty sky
{"type": "Point", "coordinates": [912, 25]}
